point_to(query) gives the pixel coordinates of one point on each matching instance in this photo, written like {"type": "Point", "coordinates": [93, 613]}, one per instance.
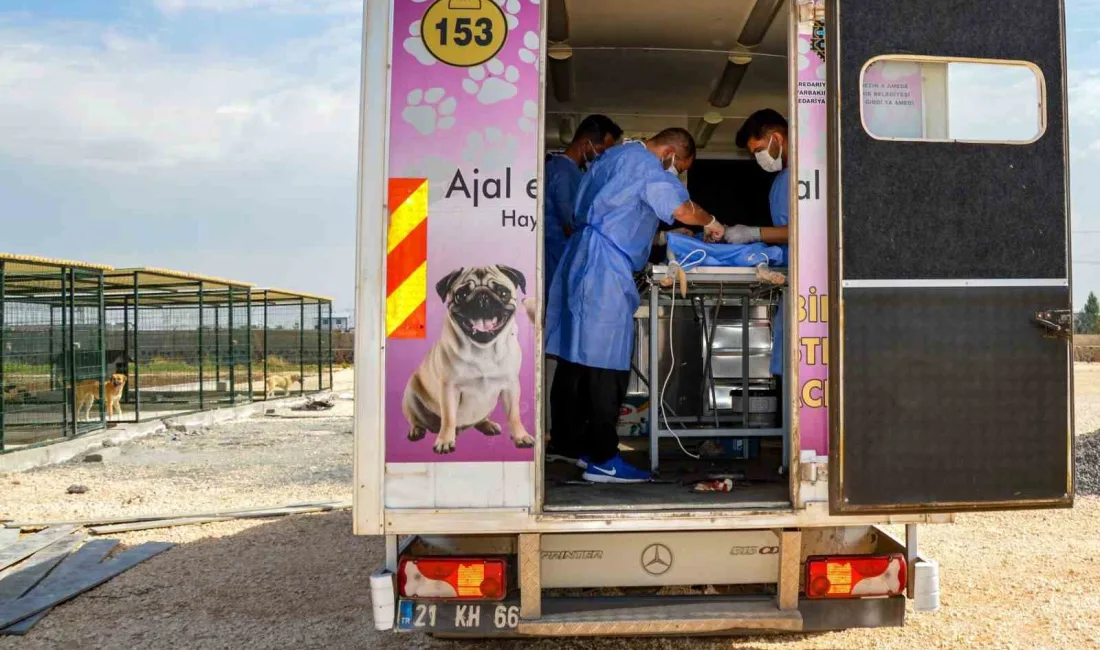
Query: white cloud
{"type": "Point", "coordinates": [115, 147]}
{"type": "Point", "coordinates": [330, 7]}
{"type": "Point", "coordinates": [123, 103]}
{"type": "Point", "coordinates": [1084, 111]}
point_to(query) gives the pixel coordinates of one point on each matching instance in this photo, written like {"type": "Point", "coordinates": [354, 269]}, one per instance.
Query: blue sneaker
{"type": "Point", "coordinates": [615, 470]}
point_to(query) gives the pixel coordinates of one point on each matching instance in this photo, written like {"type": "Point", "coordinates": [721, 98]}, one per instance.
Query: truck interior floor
{"type": "Point", "coordinates": [757, 485]}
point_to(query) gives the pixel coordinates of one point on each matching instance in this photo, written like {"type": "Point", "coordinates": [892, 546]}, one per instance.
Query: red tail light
{"type": "Point", "coordinates": [452, 578]}
{"type": "Point", "coordinates": [855, 576]}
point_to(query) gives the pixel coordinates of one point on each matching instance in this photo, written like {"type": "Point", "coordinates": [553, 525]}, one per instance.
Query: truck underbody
{"type": "Point", "coordinates": [602, 585]}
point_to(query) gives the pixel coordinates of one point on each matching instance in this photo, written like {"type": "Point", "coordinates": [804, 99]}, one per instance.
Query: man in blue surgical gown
{"type": "Point", "coordinates": [564, 171]}
{"type": "Point", "coordinates": [593, 298]}
{"type": "Point", "coordinates": [764, 134]}
{"type": "Point", "coordinates": [596, 134]}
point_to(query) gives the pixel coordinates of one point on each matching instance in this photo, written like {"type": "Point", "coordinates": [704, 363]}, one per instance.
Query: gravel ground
{"type": "Point", "coordinates": [1088, 464]}
{"type": "Point", "coordinates": [1008, 580]}
{"type": "Point", "coordinates": [292, 457]}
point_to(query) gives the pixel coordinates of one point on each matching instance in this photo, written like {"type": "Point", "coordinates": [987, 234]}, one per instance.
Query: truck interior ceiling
{"type": "Point", "coordinates": [706, 66]}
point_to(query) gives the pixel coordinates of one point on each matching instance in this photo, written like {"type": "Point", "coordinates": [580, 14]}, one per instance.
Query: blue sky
{"type": "Point", "coordinates": [219, 136]}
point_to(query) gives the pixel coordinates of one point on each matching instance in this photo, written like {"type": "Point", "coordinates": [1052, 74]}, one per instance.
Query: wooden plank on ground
{"type": "Point", "coordinates": [74, 583]}
{"type": "Point", "coordinates": [114, 529]}
{"type": "Point", "coordinates": [89, 555]}
{"type": "Point", "coordinates": [31, 544]}
{"type": "Point", "coordinates": [34, 525]}
{"type": "Point", "coordinates": [23, 577]}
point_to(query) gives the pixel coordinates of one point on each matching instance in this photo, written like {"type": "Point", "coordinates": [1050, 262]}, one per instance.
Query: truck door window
{"type": "Point", "coordinates": [936, 100]}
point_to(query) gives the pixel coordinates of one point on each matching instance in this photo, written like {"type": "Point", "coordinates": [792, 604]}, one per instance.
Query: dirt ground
{"type": "Point", "coordinates": [1012, 580]}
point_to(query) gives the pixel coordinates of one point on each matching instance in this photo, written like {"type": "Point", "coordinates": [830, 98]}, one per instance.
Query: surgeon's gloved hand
{"type": "Point", "coordinates": [713, 231]}
{"type": "Point", "coordinates": [741, 235]}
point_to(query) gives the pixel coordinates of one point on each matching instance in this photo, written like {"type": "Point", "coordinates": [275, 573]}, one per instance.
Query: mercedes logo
{"type": "Point", "coordinates": [657, 559]}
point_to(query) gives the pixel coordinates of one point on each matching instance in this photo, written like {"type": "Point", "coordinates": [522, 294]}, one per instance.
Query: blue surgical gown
{"type": "Point", "coordinates": [780, 203]}
{"type": "Point", "coordinates": [563, 177]}
{"type": "Point", "coordinates": [623, 197]}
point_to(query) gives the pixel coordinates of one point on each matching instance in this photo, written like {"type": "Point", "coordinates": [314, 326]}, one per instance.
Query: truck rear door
{"type": "Point", "coordinates": [951, 387]}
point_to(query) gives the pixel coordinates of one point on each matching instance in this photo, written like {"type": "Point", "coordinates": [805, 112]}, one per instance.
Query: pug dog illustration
{"type": "Point", "coordinates": [475, 362]}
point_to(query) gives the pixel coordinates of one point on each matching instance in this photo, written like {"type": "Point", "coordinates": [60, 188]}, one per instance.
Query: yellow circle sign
{"type": "Point", "coordinates": [464, 33]}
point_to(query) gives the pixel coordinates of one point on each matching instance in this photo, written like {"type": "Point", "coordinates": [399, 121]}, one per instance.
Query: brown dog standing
{"type": "Point", "coordinates": [87, 392]}
{"type": "Point", "coordinates": [282, 382]}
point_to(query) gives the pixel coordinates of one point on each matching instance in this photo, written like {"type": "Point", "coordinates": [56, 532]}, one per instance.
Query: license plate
{"type": "Point", "coordinates": [482, 617]}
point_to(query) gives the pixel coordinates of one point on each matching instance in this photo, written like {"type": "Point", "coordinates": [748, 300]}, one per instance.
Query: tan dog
{"type": "Point", "coordinates": [475, 363]}
{"type": "Point", "coordinates": [87, 392]}
{"type": "Point", "coordinates": [282, 382]}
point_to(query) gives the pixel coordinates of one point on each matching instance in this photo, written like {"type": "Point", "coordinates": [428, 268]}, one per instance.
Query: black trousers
{"type": "Point", "coordinates": [584, 408]}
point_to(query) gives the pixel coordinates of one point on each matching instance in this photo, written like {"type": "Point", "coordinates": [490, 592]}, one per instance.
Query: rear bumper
{"type": "Point", "coordinates": [652, 616]}
{"type": "Point", "coordinates": [829, 615]}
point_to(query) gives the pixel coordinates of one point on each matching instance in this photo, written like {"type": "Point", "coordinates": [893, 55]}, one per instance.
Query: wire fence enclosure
{"type": "Point", "coordinates": [181, 339]}
{"type": "Point", "coordinates": [86, 346]}
{"type": "Point", "coordinates": [191, 343]}
{"type": "Point", "coordinates": [51, 350]}
{"type": "Point", "coordinates": [295, 352]}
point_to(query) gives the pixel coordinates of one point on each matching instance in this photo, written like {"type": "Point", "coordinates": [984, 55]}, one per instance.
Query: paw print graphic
{"type": "Point", "coordinates": [529, 53]}
{"type": "Point", "coordinates": [492, 82]}
{"type": "Point", "coordinates": [511, 8]}
{"type": "Point", "coordinates": [529, 121]}
{"type": "Point", "coordinates": [414, 45]}
{"type": "Point", "coordinates": [428, 110]}
{"type": "Point", "coordinates": [491, 150]}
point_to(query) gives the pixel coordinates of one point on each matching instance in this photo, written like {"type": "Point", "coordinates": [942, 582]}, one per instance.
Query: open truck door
{"type": "Point", "coordinates": [951, 386]}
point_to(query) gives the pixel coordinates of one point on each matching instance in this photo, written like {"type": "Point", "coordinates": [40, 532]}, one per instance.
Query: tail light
{"type": "Point", "coordinates": [855, 576]}
{"type": "Point", "coordinates": [452, 578]}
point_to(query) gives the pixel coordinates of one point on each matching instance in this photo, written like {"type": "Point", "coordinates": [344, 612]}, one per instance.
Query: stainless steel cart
{"type": "Point", "coordinates": [735, 358]}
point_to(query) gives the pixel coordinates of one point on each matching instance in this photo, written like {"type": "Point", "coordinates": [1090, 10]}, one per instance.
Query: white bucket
{"type": "Point", "coordinates": [927, 603]}
{"type": "Point", "coordinates": [383, 599]}
{"type": "Point", "coordinates": [926, 586]}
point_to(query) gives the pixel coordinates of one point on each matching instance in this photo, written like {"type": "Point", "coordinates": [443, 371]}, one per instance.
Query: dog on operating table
{"type": "Point", "coordinates": [475, 362]}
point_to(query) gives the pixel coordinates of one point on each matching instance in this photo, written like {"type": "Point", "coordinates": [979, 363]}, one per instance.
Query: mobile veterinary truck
{"type": "Point", "coordinates": [927, 356]}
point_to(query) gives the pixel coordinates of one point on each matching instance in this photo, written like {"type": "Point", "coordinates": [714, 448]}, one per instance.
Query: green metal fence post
{"type": "Point", "coordinates": [248, 342]}
{"type": "Point", "coordinates": [126, 344]}
{"type": "Point", "coordinates": [320, 349]}
{"type": "Point", "coordinates": [137, 353]}
{"type": "Point", "coordinates": [331, 354]}
{"type": "Point", "coordinates": [232, 355]}
{"type": "Point", "coordinates": [64, 360]}
{"type": "Point", "coordinates": [301, 346]}
{"type": "Point", "coordinates": [3, 353]}
{"type": "Point", "coordinates": [101, 314]}
{"type": "Point", "coordinates": [72, 350]}
{"type": "Point", "coordinates": [265, 344]}
{"type": "Point", "coordinates": [217, 349]}
{"type": "Point", "coordinates": [201, 351]}
{"type": "Point", "coordinates": [53, 371]}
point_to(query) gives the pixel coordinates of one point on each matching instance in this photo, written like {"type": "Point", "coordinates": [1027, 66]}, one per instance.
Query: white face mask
{"type": "Point", "coordinates": [766, 161]}
{"type": "Point", "coordinates": [589, 159]}
{"type": "Point", "coordinates": [672, 167]}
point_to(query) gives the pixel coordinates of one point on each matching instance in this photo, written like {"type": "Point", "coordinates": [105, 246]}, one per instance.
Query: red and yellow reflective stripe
{"type": "Point", "coordinates": [407, 259]}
